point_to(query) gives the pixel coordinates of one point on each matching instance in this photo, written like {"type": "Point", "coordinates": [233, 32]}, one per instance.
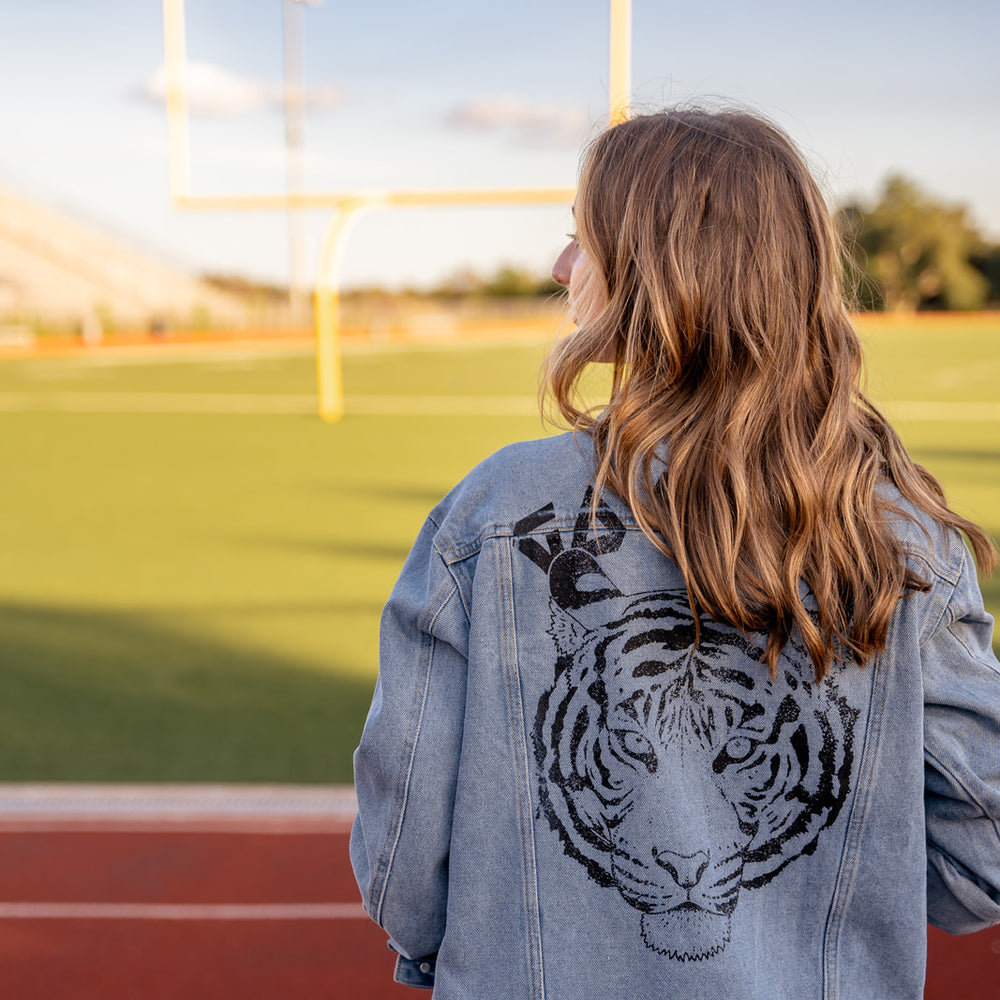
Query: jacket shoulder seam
{"type": "Point", "coordinates": [934, 621]}
{"type": "Point", "coordinates": [454, 552]}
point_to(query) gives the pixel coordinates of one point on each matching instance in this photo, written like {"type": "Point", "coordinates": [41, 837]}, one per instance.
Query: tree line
{"type": "Point", "coordinates": [907, 251]}
{"type": "Point", "coordinates": [904, 251]}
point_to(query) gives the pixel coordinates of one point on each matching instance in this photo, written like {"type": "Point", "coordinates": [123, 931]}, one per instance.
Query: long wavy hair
{"type": "Point", "coordinates": [736, 429]}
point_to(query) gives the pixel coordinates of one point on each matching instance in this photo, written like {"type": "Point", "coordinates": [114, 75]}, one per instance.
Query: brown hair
{"type": "Point", "coordinates": [737, 370]}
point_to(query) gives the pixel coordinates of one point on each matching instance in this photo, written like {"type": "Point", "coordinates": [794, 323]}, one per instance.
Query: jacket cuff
{"type": "Point", "coordinates": [419, 973]}
{"type": "Point", "coordinates": [957, 904]}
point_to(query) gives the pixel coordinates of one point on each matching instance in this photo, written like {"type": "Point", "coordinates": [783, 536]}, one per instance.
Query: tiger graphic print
{"type": "Point", "coordinates": [639, 713]}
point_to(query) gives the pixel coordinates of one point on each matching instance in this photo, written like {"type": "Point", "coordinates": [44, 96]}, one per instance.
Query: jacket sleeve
{"type": "Point", "coordinates": [406, 765]}
{"type": "Point", "coordinates": [962, 762]}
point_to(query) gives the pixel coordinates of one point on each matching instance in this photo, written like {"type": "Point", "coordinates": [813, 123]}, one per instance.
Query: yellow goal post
{"type": "Point", "coordinates": [349, 204]}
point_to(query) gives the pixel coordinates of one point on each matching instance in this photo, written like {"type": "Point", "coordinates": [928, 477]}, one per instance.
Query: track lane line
{"type": "Point", "coordinates": [222, 826]}
{"type": "Point", "coordinates": [182, 911]}
{"type": "Point", "coordinates": [154, 800]}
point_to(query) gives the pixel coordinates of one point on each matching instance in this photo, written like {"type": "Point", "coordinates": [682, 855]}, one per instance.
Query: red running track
{"type": "Point", "coordinates": [208, 893]}
{"type": "Point", "coordinates": [214, 903]}
{"type": "Point", "coordinates": [188, 948]}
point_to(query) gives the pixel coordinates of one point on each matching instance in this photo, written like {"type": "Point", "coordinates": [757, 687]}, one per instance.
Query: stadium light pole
{"type": "Point", "coordinates": [294, 104]}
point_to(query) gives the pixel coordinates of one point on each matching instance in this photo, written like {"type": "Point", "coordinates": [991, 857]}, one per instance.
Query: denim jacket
{"type": "Point", "coordinates": [562, 797]}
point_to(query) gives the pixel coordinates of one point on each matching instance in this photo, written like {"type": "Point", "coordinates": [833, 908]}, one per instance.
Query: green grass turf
{"type": "Point", "coordinates": [195, 597]}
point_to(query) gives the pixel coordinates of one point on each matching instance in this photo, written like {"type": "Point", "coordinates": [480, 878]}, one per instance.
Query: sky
{"type": "Point", "coordinates": [444, 93]}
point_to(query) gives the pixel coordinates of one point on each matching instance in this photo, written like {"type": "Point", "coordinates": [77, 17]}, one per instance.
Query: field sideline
{"type": "Point", "coordinates": [195, 564]}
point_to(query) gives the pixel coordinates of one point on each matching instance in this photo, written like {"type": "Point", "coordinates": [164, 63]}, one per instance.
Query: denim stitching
{"type": "Point", "coordinates": [456, 552]}
{"type": "Point", "coordinates": [938, 609]}
{"type": "Point", "coordinates": [452, 551]}
{"type": "Point", "coordinates": [381, 874]}
{"type": "Point", "coordinates": [529, 871]}
{"type": "Point", "coordinates": [950, 571]}
{"type": "Point", "coordinates": [974, 655]}
{"type": "Point", "coordinates": [403, 790]}
{"type": "Point", "coordinates": [848, 862]}
{"type": "Point", "coordinates": [965, 788]}
{"type": "Point", "coordinates": [450, 567]}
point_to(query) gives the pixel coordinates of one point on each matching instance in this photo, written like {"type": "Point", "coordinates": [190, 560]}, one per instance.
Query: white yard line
{"type": "Point", "coordinates": [261, 403]}
{"type": "Point", "coordinates": [155, 402]}
{"type": "Point", "coordinates": [450, 406]}
{"type": "Point", "coordinates": [121, 355]}
{"type": "Point", "coordinates": [178, 354]}
{"type": "Point", "coordinates": [361, 404]}
{"type": "Point", "coordinates": [182, 911]}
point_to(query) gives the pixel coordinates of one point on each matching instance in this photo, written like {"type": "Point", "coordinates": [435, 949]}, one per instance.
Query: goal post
{"type": "Point", "coordinates": [349, 204]}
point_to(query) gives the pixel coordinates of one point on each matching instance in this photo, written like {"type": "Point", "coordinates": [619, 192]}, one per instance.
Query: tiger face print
{"type": "Point", "coordinates": [680, 774]}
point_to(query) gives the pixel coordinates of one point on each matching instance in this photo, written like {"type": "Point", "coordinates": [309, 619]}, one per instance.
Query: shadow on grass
{"type": "Point", "coordinates": [424, 496]}
{"type": "Point", "coordinates": [945, 454]}
{"type": "Point", "coordinates": [367, 549]}
{"type": "Point", "coordinates": [92, 695]}
{"type": "Point", "coordinates": [262, 609]}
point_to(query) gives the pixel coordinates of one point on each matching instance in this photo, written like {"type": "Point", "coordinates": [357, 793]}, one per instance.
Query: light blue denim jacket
{"type": "Point", "coordinates": [562, 797]}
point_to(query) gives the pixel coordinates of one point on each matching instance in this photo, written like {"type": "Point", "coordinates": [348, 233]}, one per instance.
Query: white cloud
{"type": "Point", "coordinates": [215, 92]}
{"type": "Point", "coordinates": [536, 124]}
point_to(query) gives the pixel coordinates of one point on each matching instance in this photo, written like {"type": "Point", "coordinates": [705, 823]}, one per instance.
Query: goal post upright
{"type": "Point", "coordinates": [329, 371]}
{"type": "Point", "coordinates": [174, 61]}
{"type": "Point", "coordinates": [620, 61]}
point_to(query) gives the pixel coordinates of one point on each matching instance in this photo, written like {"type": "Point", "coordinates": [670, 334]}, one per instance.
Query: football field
{"type": "Point", "coordinates": [194, 564]}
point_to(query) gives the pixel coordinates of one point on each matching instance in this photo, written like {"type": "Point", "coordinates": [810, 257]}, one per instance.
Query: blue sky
{"type": "Point", "coordinates": [442, 93]}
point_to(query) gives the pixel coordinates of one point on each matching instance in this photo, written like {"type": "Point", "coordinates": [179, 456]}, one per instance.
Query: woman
{"type": "Point", "coordinates": [698, 700]}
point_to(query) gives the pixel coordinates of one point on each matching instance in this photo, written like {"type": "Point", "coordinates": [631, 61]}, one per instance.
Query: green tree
{"type": "Point", "coordinates": [515, 281]}
{"type": "Point", "coordinates": [508, 281]}
{"type": "Point", "coordinates": [987, 262]}
{"type": "Point", "coordinates": [909, 251]}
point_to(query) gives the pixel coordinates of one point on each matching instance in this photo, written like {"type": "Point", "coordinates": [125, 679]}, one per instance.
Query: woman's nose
{"type": "Point", "coordinates": [563, 266]}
